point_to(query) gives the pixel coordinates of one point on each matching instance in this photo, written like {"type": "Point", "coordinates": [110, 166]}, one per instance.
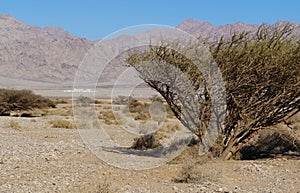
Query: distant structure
{"type": "Point", "coordinates": [77, 90]}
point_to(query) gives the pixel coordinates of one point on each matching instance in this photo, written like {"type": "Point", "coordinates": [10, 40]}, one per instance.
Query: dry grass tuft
{"type": "Point", "coordinates": [62, 123]}
{"type": "Point", "coordinates": [106, 187]}
{"type": "Point", "coordinates": [108, 117]}
{"type": "Point", "coordinates": [14, 125]}
{"type": "Point", "coordinates": [199, 172]}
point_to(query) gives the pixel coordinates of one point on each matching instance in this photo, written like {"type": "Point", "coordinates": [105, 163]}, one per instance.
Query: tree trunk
{"type": "Point", "coordinates": [237, 142]}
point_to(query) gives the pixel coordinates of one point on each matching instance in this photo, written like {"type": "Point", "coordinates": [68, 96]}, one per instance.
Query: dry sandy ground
{"type": "Point", "coordinates": [37, 158]}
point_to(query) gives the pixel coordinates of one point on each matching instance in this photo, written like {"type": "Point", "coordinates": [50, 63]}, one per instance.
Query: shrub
{"type": "Point", "coordinates": [14, 125]}
{"type": "Point", "coordinates": [120, 100]}
{"type": "Point", "coordinates": [14, 100]}
{"type": "Point", "coordinates": [106, 186]}
{"type": "Point", "coordinates": [135, 106]}
{"type": "Point", "coordinates": [140, 116]}
{"type": "Point", "coordinates": [203, 171]}
{"type": "Point", "coordinates": [108, 117]}
{"type": "Point", "coordinates": [83, 101]}
{"type": "Point", "coordinates": [61, 123]}
{"type": "Point", "coordinates": [145, 142]}
{"type": "Point", "coordinates": [156, 98]}
{"type": "Point", "coordinates": [60, 112]}
{"type": "Point", "coordinates": [61, 101]}
{"type": "Point", "coordinates": [102, 101]}
{"type": "Point", "coordinates": [153, 140]}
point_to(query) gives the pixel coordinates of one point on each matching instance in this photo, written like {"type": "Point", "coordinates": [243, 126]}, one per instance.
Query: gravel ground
{"type": "Point", "coordinates": [37, 158]}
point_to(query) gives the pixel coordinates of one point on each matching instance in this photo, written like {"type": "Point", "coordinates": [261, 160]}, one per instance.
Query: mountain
{"type": "Point", "coordinates": [31, 55]}
{"type": "Point", "coordinates": [205, 30]}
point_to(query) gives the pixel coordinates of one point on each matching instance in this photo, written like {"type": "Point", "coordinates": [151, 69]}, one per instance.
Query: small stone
{"type": "Point", "coordinates": [175, 188]}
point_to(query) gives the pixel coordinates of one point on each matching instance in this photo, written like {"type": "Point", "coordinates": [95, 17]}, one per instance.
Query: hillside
{"type": "Point", "coordinates": [50, 56]}
{"type": "Point", "coordinates": [32, 53]}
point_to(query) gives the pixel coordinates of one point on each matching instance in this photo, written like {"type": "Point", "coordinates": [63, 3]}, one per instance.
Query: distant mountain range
{"type": "Point", "coordinates": [32, 53]}
{"type": "Point", "coordinates": [50, 55]}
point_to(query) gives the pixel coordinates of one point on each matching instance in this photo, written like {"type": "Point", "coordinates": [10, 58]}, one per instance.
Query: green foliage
{"type": "Point", "coordinates": [13, 100]}
{"type": "Point", "coordinates": [262, 76]}
{"type": "Point", "coordinates": [261, 72]}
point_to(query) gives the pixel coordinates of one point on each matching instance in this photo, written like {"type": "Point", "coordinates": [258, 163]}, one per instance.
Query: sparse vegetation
{"type": "Point", "coordinates": [102, 101]}
{"type": "Point", "coordinates": [120, 100]}
{"type": "Point", "coordinates": [62, 123]}
{"type": "Point", "coordinates": [199, 171]}
{"type": "Point", "coordinates": [83, 101]}
{"type": "Point", "coordinates": [65, 111]}
{"type": "Point", "coordinates": [106, 186]}
{"type": "Point", "coordinates": [140, 116]}
{"type": "Point", "coordinates": [108, 117]}
{"type": "Point", "coordinates": [61, 101]}
{"type": "Point", "coordinates": [14, 125]}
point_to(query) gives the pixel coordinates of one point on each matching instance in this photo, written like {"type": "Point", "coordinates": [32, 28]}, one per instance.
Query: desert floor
{"type": "Point", "coordinates": [35, 157]}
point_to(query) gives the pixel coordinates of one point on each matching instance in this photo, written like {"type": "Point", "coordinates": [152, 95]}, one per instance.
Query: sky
{"type": "Point", "coordinates": [95, 19]}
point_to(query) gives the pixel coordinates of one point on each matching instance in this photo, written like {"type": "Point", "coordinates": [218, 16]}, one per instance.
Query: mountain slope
{"type": "Point", "coordinates": [205, 30]}
{"type": "Point", "coordinates": [52, 56]}
{"type": "Point", "coordinates": [28, 52]}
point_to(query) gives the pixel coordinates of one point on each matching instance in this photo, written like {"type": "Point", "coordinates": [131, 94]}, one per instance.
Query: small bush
{"type": "Point", "coordinates": [106, 187]}
{"type": "Point", "coordinates": [199, 172]}
{"type": "Point", "coordinates": [169, 128]}
{"type": "Point", "coordinates": [135, 106]}
{"type": "Point", "coordinates": [153, 140]}
{"type": "Point", "coordinates": [145, 142]}
{"type": "Point", "coordinates": [140, 116]}
{"type": "Point", "coordinates": [102, 102]}
{"type": "Point", "coordinates": [61, 101]}
{"type": "Point", "coordinates": [120, 100]}
{"type": "Point", "coordinates": [84, 101]}
{"type": "Point", "coordinates": [14, 125]}
{"type": "Point", "coordinates": [108, 117]}
{"type": "Point", "coordinates": [66, 111]}
{"type": "Point", "coordinates": [61, 123]}
{"type": "Point", "coordinates": [155, 98]}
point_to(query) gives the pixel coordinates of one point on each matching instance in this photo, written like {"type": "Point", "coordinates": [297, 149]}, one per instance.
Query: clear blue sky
{"type": "Point", "coordinates": [94, 19]}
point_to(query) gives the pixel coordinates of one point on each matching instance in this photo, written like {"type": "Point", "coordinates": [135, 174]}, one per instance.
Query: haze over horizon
{"type": "Point", "coordinates": [94, 20]}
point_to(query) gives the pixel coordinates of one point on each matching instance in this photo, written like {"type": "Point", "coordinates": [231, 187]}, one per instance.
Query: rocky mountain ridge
{"type": "Point", "coordinates": [32, 53]}
{"type": "Point", "coordinates": [51, 55]}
